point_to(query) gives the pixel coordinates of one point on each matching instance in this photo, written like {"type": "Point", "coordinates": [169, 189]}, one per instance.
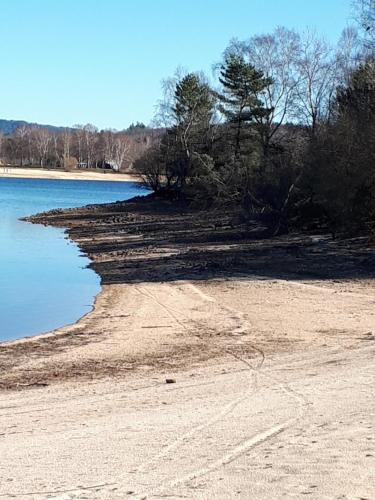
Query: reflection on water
{"type": "Point", "coordinates": [44, 282]}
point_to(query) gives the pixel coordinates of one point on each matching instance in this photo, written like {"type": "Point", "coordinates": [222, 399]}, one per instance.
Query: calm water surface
{"type": "Point", "coordinates": [44, 282]}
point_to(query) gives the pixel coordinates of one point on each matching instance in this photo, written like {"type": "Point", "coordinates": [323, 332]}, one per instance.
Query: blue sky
{"type": "Point", "coordinates": [101, 61]}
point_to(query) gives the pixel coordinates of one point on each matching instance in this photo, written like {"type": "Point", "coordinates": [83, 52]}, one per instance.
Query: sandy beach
{"type": "Point", "coordinates": [268, 344]}
{"type": "Point", "coordinates": [40, 173]}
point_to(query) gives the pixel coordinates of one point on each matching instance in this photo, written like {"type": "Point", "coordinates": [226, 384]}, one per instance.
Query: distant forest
{"type": "Point", "coordinates": [82, 146]}
{"type": "Point", "coordinates": [286, 133]}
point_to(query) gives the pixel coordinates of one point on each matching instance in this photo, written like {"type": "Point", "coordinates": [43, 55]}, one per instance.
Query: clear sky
{"type": "Point", "coordinates": [101, 61]}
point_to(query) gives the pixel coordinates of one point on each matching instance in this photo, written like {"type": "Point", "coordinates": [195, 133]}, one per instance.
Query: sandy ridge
{"type": "Point", "coordinates": [39, 173]}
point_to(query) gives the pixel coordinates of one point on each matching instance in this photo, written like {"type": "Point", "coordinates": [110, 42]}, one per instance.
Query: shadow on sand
{"type": "Point", "coordinates": [148, 240]}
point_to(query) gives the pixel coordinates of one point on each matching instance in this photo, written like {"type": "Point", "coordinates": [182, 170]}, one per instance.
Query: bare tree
{"type": "Point", "coordinates": [348, 54]}
{"type": "Point", "coordinates": [108, 137]}
{"type": "Point", "coordinates": [31, 147]}
{"type": "Point", "coordinates": [22, 134]}
{"type": "Point", "coordinates": [66, 138]}
{"type": "Point", "coordinates": [57, 150]}
{"type": "Point", "coordinates": [164, 115]}
{"type": "Point", "coordinates": [42, 138]}
{"type": "Point", "coordinates": [90, 133]}
{"type": "Point", "coordinates": [61, 147]}
{"type": "Point", "coordinates": [121, 149]}
{"type": "Point", "coordinates": [316, 68]}
{"type": "Point", "coordinates": [365, 15]}
{"type": "Point", "coordinates": [79, 142]}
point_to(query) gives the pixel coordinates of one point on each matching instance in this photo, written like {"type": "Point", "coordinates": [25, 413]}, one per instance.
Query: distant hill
{"type": "Point", "coordinates": [8, 127]}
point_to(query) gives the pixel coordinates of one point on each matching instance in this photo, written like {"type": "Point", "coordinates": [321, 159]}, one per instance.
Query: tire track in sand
{"type": "Point", "coordinates": [217, 417]}
{"type": "Point", "coordinates": [258, 438]}
{"type": "Point", "coordinates": [247, 444]}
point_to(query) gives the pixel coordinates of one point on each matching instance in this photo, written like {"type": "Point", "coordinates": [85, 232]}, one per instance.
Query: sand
{"type": "Point", "coordinates": [39, 173]}
{"type": "Point", "coordinates": [274, 376]}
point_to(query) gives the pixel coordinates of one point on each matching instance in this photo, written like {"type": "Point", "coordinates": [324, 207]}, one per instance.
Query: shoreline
{"type": "Point", "coordinates": [39, 173]}
{"type": "Point", "coordinates": [130, 247]}
{"type": "Point", "coordinates": [208, 348]}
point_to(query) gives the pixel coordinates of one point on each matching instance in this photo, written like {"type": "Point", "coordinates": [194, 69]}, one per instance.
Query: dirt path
{"type": "Point", "coordinates": [273, 396]}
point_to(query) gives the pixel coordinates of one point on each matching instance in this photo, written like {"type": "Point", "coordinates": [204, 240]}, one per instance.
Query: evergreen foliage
{"type": "Point", "coordinates": [230, 146]}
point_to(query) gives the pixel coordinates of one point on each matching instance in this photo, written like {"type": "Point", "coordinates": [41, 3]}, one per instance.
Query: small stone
{"type": "Point", "coordinates": [170, 381]}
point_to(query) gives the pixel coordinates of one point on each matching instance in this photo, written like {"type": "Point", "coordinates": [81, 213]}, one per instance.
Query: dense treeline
{"type": "Point", "coordinates": [82, 146]}
{"type": "Point", "coordinates": [287, 133]}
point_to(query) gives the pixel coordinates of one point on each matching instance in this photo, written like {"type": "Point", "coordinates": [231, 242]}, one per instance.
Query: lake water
{"type": "Point", "coordinates": [44, 281]}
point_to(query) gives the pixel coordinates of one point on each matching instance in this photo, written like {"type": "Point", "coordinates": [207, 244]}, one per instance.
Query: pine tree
{"type": "Point", "coordinates": [240, 100]}
{"type": "Point", "coordinates": [193, 102]}
{"type": "Point", "coordinates": [193, 110]}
